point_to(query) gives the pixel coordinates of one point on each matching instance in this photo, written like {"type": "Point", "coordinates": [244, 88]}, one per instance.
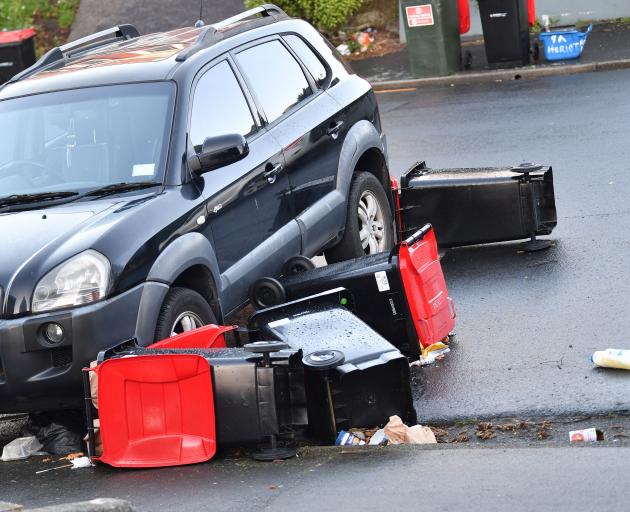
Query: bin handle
{"type": "Point", "coordinates": [416, 237]}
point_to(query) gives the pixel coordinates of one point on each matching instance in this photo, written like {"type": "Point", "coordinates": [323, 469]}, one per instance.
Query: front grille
{"type": "Point", "coordinates": [61, 356]}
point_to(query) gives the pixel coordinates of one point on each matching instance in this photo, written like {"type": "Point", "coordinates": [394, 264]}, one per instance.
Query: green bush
{"type": "Point", "coordinates": [52, 19]}
{"type": "Point", "coordinates": [16, 14]}
{"type": "Point", "coordinates": [326, 15]}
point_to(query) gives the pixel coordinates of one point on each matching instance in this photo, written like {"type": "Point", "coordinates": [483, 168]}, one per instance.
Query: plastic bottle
{"type": "Point", "coordinates": [612, 358]}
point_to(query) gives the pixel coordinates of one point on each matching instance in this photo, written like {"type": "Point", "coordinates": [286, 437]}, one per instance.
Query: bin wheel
{"type": "Point", "coordinates": [468, 59]}
{"type": "Point", "coordinates": [297, 265]}
{"type": "Point", "coordinates": [324, 359]}
{"type": "Point", "coordinates": [265, 347]}
{"type": "Point", "coordinates": [535, 51]}
{"type": "Point", "coordinates": [267, 292]}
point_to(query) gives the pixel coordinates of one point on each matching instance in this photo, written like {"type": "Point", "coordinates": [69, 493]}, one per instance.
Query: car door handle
{"type": "Point", "coordinates": [334, 129]}
{"type": "Point", "coordinates": [272, 174]}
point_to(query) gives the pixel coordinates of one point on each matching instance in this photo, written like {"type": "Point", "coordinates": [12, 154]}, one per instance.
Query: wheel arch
{"type": "Point", "coordinates": [364, 150]}
{"type": "Point", "coordinates": [190, 262]}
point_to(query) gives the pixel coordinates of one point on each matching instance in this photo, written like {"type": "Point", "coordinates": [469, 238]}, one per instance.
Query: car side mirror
{"type": "Point", "coordinates": [218, 152]}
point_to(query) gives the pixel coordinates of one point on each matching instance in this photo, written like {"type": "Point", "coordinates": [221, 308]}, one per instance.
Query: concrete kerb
{"type": "Point", "coordinates": [96, 505]}
{"type": "Point", "coordinates": [502, 75]}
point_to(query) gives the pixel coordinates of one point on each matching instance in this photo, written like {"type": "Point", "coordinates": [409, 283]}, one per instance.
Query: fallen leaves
{"type": "Point", "coordinates": [440, 434]}
{"type": "Point", "coordinates": [462, 437]}
{"type": "Point", "coordinates": [543, 432]}
{"type": "Point", "coordinates": [485, 431]}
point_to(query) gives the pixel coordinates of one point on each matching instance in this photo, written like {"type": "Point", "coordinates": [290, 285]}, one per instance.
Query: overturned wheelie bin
{"type": "Point", "coordinates": [400, 294]}
{"type": "Point", "coordinates": [172, 403]}
{"type": "Point", "coordinates": [478, 206]}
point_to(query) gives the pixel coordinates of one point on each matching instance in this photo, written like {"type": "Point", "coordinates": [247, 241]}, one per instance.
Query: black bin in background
{"type": "Point", "coordinates": [17, 52]}
{"type": "Point", "coordinates": [505, 26]}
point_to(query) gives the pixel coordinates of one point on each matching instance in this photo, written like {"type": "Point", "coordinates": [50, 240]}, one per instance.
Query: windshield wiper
{"type": "Point", "coordinates": [34, 198]}
{"type": "Point", "coordinates": [121, 187]}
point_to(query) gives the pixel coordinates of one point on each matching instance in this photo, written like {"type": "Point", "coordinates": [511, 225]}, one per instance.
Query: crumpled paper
{"type": "Point", "coordinates": [399, 433]}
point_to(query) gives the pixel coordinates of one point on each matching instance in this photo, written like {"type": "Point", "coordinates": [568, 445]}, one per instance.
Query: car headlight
{"type": "Point", "coordinates": [82, 279]}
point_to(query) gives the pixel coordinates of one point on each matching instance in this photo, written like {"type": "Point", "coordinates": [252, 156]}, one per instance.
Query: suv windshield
{"type": "Point", "coordinates": [84, 139]}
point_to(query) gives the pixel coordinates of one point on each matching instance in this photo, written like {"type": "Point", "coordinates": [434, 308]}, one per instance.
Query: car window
{"type": "Point", "coordinates": [308, 58]}
{"type": "Point", "coordinates": [78, 139]}
{"type": "Point", "coordinates": [219, 106]}
{"type": "Point", "coordinates": [276, 77]}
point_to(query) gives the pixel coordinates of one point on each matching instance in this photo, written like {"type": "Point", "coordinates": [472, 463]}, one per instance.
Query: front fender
{"type": "Point", "coordinates": [184, 252]}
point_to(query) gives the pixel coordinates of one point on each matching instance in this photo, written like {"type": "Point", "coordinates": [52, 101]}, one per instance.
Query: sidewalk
{"type": "Point", "coordinates": [609, 43]}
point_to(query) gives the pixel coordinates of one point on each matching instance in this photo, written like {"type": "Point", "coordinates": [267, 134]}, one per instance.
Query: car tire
{"type": "Point", "coordinates": [365, 192]}
{"type": "Point", "coordinates": [182, 310]}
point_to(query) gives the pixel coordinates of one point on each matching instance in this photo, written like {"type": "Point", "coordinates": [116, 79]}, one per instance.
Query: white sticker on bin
{"type": "Point", "coordinates": [143, 170]}
{"type": "Point", "coordinates": [381, 281]}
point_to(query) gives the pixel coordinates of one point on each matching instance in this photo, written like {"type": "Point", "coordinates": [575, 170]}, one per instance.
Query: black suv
{"type": "Point", "coordinates": [146, 182]}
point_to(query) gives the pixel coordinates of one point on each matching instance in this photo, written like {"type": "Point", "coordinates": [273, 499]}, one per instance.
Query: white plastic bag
{"type": "Point", "coordinates": [21, 448]}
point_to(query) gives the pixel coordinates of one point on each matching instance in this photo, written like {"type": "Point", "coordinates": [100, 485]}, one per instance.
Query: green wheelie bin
{"type": "Point", "coordinates": [432, 28]}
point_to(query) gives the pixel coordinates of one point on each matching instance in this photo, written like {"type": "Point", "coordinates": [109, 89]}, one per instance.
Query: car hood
{"type": "Point", "coordinates": [27, 234]}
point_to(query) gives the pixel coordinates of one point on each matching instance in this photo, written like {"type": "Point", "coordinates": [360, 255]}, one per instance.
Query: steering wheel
{"type": "Point", "coordinates": [36, 170]}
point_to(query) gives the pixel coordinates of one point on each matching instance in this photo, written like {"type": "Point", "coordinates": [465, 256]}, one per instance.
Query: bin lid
{"type": "Point", "coordinates": [15, 36]}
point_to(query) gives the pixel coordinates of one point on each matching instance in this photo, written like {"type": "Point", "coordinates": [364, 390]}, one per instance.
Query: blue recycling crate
{"type": "Point", "coordinates": [564, 44]}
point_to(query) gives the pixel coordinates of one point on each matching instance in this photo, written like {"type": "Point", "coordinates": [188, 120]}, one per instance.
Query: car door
{"type": "Point", "coordinates": [250, 218]}
{"type": "Point", "coordinates": [304, 119]}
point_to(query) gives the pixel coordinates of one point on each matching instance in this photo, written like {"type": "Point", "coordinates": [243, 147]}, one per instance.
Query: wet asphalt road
{"type": "Point", "coordinates": [528, 323]}
{"type": "Point", "coordinates": [395, 478]}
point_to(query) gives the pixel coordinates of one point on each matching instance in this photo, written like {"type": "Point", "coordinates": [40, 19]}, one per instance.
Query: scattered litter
{"type": "Point", "coordinates": [432, 353]}
{"type": "Point", "coordinates": [81, 462]}
{"type": "Point", "coordinates": [344, 50]}
{"type": "Point", "coordinates": [399, 433]}
{"type": "Point", "coordinates": [53, 469]}
{"type": "Point", "coordinates": [395, 432]}
{"type": "Point", "coordinates": [21, 448]}
{"type": "Point", "coordinates": [419, 434]}
{"type": "Point", "coordinates": [59, 432]}
{"type": "Point", "coordinates": [586, 435]}
{"type": "Point", "coordinates": [348, 439]}
{"type": "Point", "coordinates": [365, 39]}
{"type": "Point", "coordinates": [379, 438]}
{"type": "Point", "coordinates": [612, 358]}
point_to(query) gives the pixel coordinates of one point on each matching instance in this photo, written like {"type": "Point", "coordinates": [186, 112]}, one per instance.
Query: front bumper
{"type": "Point", "coordinates": [36, 376]}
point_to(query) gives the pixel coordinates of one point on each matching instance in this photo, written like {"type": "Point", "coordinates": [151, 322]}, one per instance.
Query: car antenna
{"type": "Point", "coordinates": [199, 23]}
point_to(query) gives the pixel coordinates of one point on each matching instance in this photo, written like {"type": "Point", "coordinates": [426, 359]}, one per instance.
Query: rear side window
{"type": "Point", "coordinates": [219, 106]}
{"type": "Point", "coordinates": [275, 76]}
{"type": "Point", "coordinates": [308, 58]}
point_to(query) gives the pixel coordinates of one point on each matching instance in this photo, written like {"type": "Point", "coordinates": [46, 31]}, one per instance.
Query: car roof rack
{"type": "Point", "coordinates": [212, 33]}
{"type": "Point", "coordinates": [270, 10]}
{"type": "Point", "coordinates": [60, 53]}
